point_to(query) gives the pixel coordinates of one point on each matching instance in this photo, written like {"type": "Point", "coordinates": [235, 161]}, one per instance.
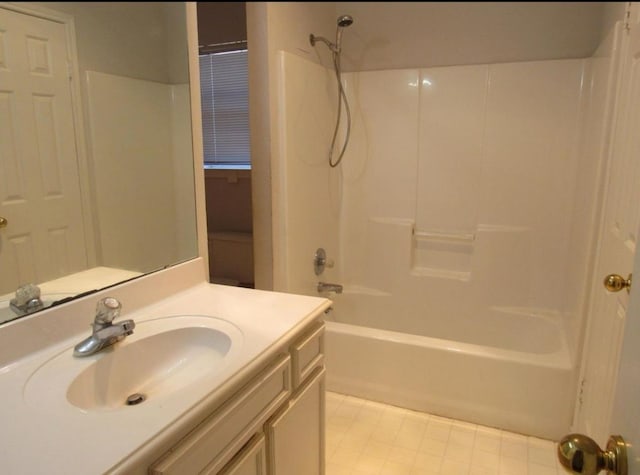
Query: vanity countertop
{"type": "Point", "coordinates": [59, 437]}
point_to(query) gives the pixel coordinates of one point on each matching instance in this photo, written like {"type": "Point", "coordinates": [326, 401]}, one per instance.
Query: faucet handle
{"type": "Point", "coordinates": [27, 300]}
{"type": "Point", "coordinates": [26, 293]}
{"type": "Point", "coordinates": [107, 309]}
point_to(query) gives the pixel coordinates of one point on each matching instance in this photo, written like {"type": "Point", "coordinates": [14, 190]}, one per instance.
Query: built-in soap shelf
{"type": "Point", "coordinates": [441, 253]}
{"type": "Point", "coordinates": [443, 236]}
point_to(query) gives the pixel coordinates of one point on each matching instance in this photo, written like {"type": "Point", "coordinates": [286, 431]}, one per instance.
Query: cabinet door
{"type": "Point", "coordinates": [250, 461]}
{"type": "Point", "coordinates": [295, 436]}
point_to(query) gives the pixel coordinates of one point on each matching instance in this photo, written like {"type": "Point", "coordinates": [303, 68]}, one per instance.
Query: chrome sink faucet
{"type": "Point", "coordinates": [105, 333]}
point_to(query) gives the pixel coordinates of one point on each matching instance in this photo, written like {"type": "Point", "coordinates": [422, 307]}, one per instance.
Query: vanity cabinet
{"type": "Point", "coordinates": [295, 436]}
{"type": "Point", "coordinates": [273, 424]}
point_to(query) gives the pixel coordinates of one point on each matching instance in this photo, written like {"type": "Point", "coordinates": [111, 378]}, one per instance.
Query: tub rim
{"type": "Point", "coordinates": [560, 359]}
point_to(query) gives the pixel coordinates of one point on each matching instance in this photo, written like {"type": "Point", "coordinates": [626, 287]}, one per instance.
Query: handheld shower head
{"type": "Point", "coordinates": [335, 48]}
{"type": "Point", "coordinates": [345, 20]}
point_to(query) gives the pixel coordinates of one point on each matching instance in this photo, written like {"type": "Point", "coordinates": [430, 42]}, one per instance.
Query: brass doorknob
{"type": "Point", "coordinates": [580, 454]}
{"type": "Point", "coordinates": [3, 222]}
{"type": "Point", "coordinates": [615, 282]}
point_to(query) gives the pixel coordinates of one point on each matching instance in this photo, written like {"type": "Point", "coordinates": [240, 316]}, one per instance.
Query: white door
{"type": "Point", "coordinates": [626, 409]}
{"type": "Point", "coordinates": [611, 397]}
{"type": "Point", "coordinates": [615, 255]}
{"type": "Point", "coordinates": [39, 182]}
{"type": "Point", "coordinates": [625, 420]}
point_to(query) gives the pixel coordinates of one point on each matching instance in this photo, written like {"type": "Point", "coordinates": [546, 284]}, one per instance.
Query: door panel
{"type": "Point", "coordinates": [39, 179]}
{"type": "Point", "coordinates": [613, 340]}
{"type": "Point", "coordinates": [625, 420]}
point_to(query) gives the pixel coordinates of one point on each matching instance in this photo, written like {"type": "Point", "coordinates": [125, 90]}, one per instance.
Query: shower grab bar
{"type": "Point", "coordinates": [467, 237]}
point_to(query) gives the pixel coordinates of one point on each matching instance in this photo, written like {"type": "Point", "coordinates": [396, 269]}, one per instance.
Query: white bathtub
{"type": "Point", "coordinates": [518, 376]}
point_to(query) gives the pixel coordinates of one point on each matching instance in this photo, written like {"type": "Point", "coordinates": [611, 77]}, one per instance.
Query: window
{"type": "Point", "coordinates": [224, 91]}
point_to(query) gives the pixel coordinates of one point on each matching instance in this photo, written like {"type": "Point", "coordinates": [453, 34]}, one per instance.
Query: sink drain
{"type": "Point", "coordinates": [135, 399]}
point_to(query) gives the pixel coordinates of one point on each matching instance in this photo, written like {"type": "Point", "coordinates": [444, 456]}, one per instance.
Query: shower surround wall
{"type": "Point", "coordinates": [452, 218]}
{"type": "Point", "coordinates": [137, 159]}
{"type": "Point", "coordinates": [459, 190]}
{"type": "Point", "coordinates": [302, 176]}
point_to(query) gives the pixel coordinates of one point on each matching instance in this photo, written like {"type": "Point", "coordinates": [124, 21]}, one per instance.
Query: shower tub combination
{"type": "Point", "coordinates": [511, 371]}
{"type": "Point", "coordinates": [439, 197]}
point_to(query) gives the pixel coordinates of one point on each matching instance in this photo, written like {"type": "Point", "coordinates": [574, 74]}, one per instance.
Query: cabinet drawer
{"type": "Point", "coordinates": [222, 434]}
{"type": "Point", "coordinates": [307, 354]}
{"type": "Point", "coordinates": [251, 460]}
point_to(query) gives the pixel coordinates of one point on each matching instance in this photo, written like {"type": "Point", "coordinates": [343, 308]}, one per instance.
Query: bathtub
{"type": "Point", "coordinates": [511, 370]}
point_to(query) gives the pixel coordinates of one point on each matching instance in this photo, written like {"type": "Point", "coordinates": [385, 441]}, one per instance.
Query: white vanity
{"type": "Point", "coordinates": [232, 381]}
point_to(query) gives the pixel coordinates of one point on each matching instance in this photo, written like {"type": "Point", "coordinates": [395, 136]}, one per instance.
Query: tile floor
{"type": "Point", "coordinates": [369, 438]}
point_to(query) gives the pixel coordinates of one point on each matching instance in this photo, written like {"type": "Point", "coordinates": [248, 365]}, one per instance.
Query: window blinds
{"type": "Point", "coordinates": [225, 109]}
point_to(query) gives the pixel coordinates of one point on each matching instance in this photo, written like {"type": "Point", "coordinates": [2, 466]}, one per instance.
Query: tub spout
{"type": "Point", "coordinates": [327, 287]}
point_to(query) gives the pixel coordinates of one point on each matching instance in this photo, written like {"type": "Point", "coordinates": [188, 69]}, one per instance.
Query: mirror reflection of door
{"type": "Point", "coordinates": [39, 184]}
{"type": "Point", "coordinates": [222, 39]}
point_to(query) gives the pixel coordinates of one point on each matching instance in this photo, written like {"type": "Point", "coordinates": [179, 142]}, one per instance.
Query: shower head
{"type": "Point", "coordinates": [345, 20]}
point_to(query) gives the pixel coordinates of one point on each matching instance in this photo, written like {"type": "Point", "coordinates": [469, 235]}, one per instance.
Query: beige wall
{"type": "Point", "coordinates": [177, 56]}
{"type": "Point", "coordinates": [390, 35]}
{"type": "Point", "coordinates": [291, 23]}
{"type": "Point", "coordinates": [260, 125]}
{"type": "Point", "coordinates": [613, 12]}
{"type": "Point", "coordinates": [123, 38]}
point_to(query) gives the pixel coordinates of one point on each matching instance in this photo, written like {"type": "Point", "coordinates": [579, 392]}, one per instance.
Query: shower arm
{"type": "Point", "coordinates": [313, 39]}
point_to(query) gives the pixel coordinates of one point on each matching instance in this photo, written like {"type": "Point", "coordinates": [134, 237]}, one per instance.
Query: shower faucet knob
{"type": "Point", "coordinates": [320, 261]}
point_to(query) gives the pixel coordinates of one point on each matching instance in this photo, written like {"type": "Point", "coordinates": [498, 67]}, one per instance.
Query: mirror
{"type": "Point", "coordinates": [96, 163]}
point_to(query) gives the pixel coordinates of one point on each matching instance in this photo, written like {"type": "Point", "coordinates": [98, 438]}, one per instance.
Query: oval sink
{"type": "Point", "coordinates": [160, 360]}
{"type": "Point", "coordinates": [155, 365]}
